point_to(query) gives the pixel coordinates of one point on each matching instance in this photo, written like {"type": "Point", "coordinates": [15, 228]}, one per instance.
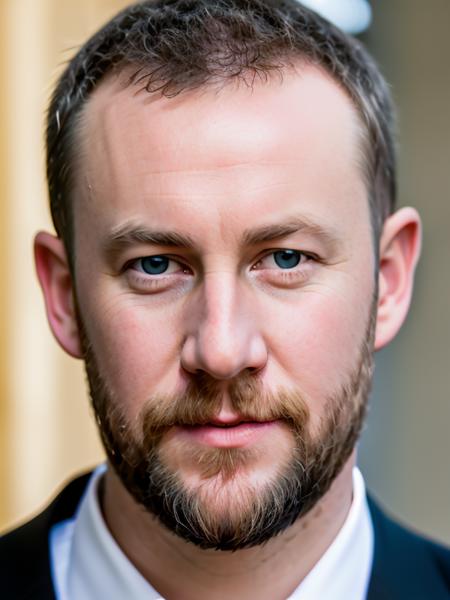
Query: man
{"type": "Point", "coordinates": [227, 259]}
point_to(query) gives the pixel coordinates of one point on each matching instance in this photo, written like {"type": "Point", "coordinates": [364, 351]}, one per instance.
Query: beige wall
{"type": "Point", "coordinates": [45, 428]}
{"type": "Point", "coordinates": [46, 431]}
{"type": "Point", "coordinates": [5, 395]}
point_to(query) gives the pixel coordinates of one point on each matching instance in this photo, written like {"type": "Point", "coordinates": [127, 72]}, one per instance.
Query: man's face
{"type": "Point", "coordinates": [224, 266]}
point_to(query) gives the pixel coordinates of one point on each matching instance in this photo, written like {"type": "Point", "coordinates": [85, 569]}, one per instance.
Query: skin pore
{"type": "Point", "coordinates": [216, 183]}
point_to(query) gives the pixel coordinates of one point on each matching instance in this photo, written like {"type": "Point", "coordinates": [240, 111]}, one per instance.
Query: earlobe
{"type": "Point", "coordinates": [56, 282]}
{"type": "Point", "coordinates": [399, 252]}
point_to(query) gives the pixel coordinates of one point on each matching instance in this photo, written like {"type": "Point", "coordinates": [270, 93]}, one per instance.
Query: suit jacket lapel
{"type": "Point", "coordinates": [25, 561]}
{"type": "Point", "coordinates": [405, 566]}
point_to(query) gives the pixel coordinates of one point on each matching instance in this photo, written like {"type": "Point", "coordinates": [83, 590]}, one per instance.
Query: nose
{"type": "Point", "coordinates": [223, 330]}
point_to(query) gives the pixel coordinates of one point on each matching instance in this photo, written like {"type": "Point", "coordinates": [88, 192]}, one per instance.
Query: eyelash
{"type": "Point", "coordinates": [303, 257]}
{"type": "Point", "coordinates": [158, 281]}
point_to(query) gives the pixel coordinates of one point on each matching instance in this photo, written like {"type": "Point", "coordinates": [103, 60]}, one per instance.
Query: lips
{"type": "Point", "coordinates": [219, 433]}
{"type": "Point", "coordinates": [224, 422]}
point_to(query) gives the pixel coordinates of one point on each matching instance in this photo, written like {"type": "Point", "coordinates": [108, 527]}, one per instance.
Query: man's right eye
{"type": "Point", "coordinates": [158, 264]}
{"type": "Point", "coordinates": [156, 273]}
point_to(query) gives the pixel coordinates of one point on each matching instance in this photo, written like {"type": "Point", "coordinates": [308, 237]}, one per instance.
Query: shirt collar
{"type": "Point", "coordinates": [343, 572]}
{"type": "Point", "coordinates": [98, 568]}
{"type": "Point", "coordinates": [91, 565]}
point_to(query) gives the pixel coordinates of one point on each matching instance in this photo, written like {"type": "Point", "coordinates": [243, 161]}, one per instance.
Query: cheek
{"type": "Point", "coordinates": [136, 348]}
{"type": "Point", "coordinates": [317, 345]}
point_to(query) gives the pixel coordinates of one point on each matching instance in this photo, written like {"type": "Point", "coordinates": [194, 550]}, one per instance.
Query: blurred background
{"type": "Point", "coordinates": [46, 430]}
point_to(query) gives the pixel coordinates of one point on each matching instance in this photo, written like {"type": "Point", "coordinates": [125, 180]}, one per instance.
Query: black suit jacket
{"type": "Point", "coordinates": [405, 567]}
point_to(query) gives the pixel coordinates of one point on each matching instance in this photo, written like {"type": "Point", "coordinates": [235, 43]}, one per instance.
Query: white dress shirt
{"type": "Point", "coordinates": [88, 564]}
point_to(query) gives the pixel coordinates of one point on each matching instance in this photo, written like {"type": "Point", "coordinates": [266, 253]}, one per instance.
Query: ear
{"type": "Point", "coordinates": [399, 252]}
{"type": "Point", "coordinates": [56, 282]}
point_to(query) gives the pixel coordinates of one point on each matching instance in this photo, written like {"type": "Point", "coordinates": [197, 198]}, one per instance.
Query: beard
{"type": "Point", "coordinates": [227, 511]}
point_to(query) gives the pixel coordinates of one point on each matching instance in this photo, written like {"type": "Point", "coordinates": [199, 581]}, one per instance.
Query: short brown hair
{"type": "Point", "coordinates": [176, 45]}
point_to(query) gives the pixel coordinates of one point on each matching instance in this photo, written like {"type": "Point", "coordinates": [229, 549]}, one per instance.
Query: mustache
{"type": "Point", "coordinates": [200, 404]}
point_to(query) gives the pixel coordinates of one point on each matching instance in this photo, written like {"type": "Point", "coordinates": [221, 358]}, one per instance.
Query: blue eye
{"type": "Point", "coordinates": [154, 265]}
{"type": "Point", "coordinates": [287, 259]}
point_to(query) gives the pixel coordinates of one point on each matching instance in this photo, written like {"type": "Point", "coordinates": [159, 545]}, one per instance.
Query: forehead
{"type": "Point", "coordinates": [141, 151]}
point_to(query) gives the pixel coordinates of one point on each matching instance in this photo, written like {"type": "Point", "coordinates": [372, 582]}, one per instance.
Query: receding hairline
{"type": "Point", "coordinates": [121, 80]}
{"type": "Point", "coordinates": [186, 44]}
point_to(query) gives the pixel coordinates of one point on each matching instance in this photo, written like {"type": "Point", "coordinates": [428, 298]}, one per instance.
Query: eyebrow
{"type": "Point", "coordinates": [268, 233]}
{"type": "Point", "coordinates": [129, 234]}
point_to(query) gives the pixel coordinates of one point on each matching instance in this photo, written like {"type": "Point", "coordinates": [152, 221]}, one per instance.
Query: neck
{"type": "Point", "coordinates": [272, 570]}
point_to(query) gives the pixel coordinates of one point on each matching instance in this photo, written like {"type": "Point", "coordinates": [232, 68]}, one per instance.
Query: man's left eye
{"type": "Point", "coordinates": [283, 259]}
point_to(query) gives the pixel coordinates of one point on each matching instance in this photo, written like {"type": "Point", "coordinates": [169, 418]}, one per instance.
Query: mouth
{"type": "Point", "coordinates": [230, 421]}
{"type": "Point", "coordinates": [238, 433]}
